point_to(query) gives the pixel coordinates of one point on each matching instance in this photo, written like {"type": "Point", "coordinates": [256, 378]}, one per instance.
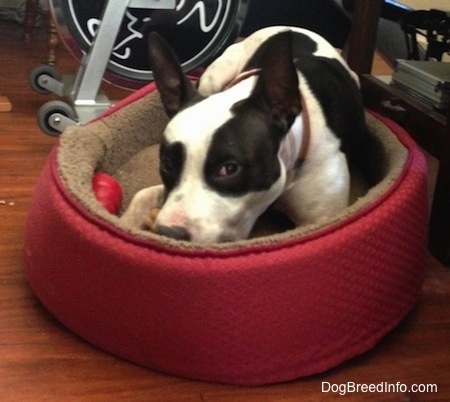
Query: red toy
{"type": "Point", "coordinates": [107, 191]}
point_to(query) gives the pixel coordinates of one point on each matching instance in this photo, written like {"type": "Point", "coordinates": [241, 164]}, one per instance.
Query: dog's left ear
{"type": "Point", "coordinates": [276, 90]}
{"type": "Point", "coordinates": [175, 88]}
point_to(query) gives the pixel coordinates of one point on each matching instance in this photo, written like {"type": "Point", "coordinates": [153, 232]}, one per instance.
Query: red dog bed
{"type": "Point", "coordinates": [285, 303]}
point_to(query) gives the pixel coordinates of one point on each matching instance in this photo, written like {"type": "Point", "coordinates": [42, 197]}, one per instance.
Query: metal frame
{"type": "Point", "coordinates": [83, 92]}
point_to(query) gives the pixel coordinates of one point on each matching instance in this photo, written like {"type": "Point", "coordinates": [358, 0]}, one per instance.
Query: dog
{"type": "Point", "coordinates": [277, 120]}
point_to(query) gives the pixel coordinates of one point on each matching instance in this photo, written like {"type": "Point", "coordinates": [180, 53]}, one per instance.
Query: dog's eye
{"type": "Point", "coordinates": [228, 169]}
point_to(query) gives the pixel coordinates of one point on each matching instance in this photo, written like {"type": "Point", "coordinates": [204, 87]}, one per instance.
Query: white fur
{"type": "Point", "coordinates": [233, 60]}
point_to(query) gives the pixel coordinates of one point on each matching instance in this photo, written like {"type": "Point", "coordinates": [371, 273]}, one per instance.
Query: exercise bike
{"type": "Point", "coordinates": [108, 37]}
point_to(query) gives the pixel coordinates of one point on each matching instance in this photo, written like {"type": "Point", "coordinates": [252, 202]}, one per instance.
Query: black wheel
{"type": "Point", "coordinates": [37, 73]}
{"type": "Point", "coordinates": [47, 113]}
{"type": "Point", "coordinates": [197, 30]}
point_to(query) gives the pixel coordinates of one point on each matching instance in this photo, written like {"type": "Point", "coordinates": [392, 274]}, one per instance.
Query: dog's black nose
{"type": "Point", "coordinates": [174, 232]}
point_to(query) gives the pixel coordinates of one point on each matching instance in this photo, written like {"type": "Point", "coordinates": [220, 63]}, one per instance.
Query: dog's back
{"type": "Point", "coordinates": [342, 105]}
{"type": "Point", "coordinates": [331, 81]}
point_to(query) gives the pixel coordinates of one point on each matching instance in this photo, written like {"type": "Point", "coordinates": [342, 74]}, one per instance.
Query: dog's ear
{"type": "Point", "coordinates": [175, 88]}
{"type": "Point", "coordinates": [277, 90]}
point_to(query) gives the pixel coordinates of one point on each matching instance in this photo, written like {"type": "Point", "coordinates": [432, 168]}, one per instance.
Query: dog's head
{"type": "Point", "coordinates": [219, 159]}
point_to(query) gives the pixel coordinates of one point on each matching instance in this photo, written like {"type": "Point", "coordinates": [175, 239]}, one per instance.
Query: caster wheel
{"type": "Point", "coordinates": [55, 116]}
{"type": "Point", "coordinates": [37, 73]}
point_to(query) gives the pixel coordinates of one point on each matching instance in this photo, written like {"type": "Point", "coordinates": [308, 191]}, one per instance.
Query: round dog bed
{"type": "Point", "coordinates": [286, 303]}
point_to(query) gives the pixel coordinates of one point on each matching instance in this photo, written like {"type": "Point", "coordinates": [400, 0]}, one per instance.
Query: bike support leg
{"type": "Point", "coordinates": [85, 94]}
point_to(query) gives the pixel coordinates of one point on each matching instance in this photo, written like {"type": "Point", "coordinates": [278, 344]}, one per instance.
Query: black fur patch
{"type": "Point", "coordinates": [341, 101]}
{"type": "Point", "coordinates": [301, 44]}
{"type": "Point", "coordinates": [172, 159]}
{"type": "Point", "coordinates": [246, 139]}
{"type": "Point", "coordinates": [342, 105]}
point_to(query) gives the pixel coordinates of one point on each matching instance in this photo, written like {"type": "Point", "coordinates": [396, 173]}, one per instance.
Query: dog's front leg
{"type": "Point", "coordinates": [141, 205]}
{"type": "Point", "coordinates": [321, 191]}
{"type": "Point", "coordinates": [307, 210]}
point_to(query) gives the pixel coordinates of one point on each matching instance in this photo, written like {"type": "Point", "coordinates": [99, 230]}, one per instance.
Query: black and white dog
{"type": "Point", "coordinates": [277, 120]}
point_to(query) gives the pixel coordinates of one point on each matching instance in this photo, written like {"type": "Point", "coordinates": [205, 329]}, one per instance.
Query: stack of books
{"type": "Point", "coordinates": [427, 81]}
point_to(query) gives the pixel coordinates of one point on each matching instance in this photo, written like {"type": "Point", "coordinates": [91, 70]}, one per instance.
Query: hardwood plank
{"type": "Point", "coordinates": [42, 360]}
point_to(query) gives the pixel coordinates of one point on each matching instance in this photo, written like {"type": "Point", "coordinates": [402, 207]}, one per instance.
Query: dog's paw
{"type": "Point", "coordinates": [141, 206]}
{"type": "Point", "coordinates": [151, 219]}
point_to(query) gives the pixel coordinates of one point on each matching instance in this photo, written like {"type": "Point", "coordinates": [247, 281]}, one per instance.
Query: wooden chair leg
{"type": "Point", "coordinates": [361, 42]}
{"type": "Point", "coordinates": [52, 40]}
{"type": "Point", "coordinates": [31, 12]}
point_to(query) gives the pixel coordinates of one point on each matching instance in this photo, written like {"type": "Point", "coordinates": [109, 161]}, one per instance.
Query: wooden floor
{"type": "Point", "coordinates": [40, 360]}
